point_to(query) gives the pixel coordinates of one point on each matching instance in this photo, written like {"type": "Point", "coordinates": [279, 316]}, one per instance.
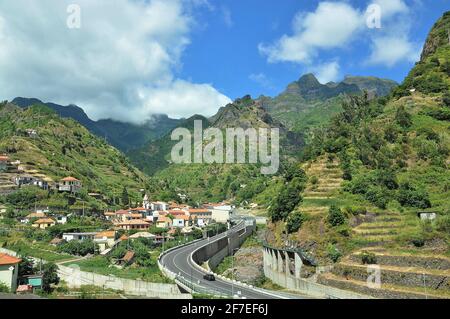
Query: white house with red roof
{"type": "Point", "coordinates": [70, 184]}
{"type": "Point", "coordinates": [9, 269]}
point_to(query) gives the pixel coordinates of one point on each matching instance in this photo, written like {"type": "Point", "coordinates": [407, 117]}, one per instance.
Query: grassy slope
{"type": "Point", "coordinates": [65, 148]}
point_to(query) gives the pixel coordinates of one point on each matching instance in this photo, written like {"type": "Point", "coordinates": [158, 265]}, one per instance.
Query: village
{"type": "Point", "coordinates": [127, 239]}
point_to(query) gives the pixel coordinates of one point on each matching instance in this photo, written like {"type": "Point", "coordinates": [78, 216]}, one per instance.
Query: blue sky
{"type": "Point", "coordinates": [129, 59]}
{"type": "Point", "coordinates": [225, 52]}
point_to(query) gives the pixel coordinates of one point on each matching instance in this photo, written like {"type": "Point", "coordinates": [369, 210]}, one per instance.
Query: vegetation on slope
{"type": "Point", "coordinates": [64, 148]}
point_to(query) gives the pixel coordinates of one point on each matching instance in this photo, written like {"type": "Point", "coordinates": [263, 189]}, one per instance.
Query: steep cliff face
{"type": "Point", "coordinates": [439, 36]}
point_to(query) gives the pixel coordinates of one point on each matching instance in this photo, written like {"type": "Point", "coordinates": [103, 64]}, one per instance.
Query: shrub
{"type": "Point", "coordinates": [377, 196]}
{"type": "Point", "coordinates": [333, 253]}
{"type": "Point", "coordinates": [314, 180]}
{"type": "Point", "coordinates": [403, 118]}
{"type": "Point", "coordinates": [412, 196]}
{"type": "Point", "coordinates": [335, 216]}
{"type": "Point", "coordinates": [4, 288]}
{"type": "Point", "coordinates": [294, 222]}
{"type": "Point", "coordinates": [78, 248]}
{"type": "Point", "coordinates": [287, 200]}
{"type": "Point", "coordinates": [358, 185]}
{"type": "Point", "coordinates": [368, 258]}
{"type": "Point", "coordinates": [443, 224]}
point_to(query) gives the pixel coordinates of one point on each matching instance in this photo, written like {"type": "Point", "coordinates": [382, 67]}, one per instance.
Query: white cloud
{"type": "Point", "coordinates": [327, 72]}
{"type": "Point", "coordinates": [261, 79]}
{"type": "Point", "coordinates": [332, 25]}
{"type": "Point", "coordinates": [119, 65]}
{"type": "Point", "coordinates": [390, 8]}
{"type": "Point", "coordinates": [390, 50]}
{"type": "Point", "coordinates": [338, 25]}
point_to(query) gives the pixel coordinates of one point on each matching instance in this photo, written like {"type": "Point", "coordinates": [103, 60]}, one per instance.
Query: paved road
{"type": "Point", "coordinates": [179, 262]}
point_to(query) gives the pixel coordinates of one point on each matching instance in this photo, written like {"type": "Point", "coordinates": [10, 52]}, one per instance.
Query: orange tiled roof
{"type": "Point", "coordinates": [45, 221]}
{"type": "Point", "coordinates": [162, 219]}
{"type": "Point", "coordinates": [122, 212]}
{"type": "Point", "coordinates": [107, 234]}
{"type": "Point", "coordinates": [70, 179]}
{"type": "Point", "coordinates": [8, 260]}
{"type": "Point", "coordinates": [4, 158]}
{"type": "Point", "coordinates": [184, 217]}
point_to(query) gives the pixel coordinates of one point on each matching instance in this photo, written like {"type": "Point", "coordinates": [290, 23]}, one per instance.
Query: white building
{"type": "Point", "coordinates": [222, 214]}
{"type": "Point", "coordinates": [159, 206]}
{"type": "Point", "coordinates": [78, 236]}
{"type": "Point", "coordinates": [9, 269]}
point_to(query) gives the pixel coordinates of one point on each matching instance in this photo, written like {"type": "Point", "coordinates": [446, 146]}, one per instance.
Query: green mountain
{"type": "Point", "coordinates": [124, 136]}
{"type": "Point", "coordinates": [63, 147]}
{"type": "Point", "coordinates": [371, 171]}
{"type": "Point", "coordinates": [306, 103]}
{"type": "Point", "coordinates": [377, 86]}
{"type": "Point", "coordinates": [202, 182]}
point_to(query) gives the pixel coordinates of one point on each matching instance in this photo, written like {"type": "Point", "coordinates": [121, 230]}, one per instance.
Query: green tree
{"type": "Point", "coordinates": [294, 222]}
{"type": "Point", "coordinates": [285, 202]}
{"type": "Point", "coordinates": [335, 216]}
{"type": "Point", "coordinates": [125, 197]}
{"type": "Point", "coordinates": [402, 117]}
{"type": "Point", "coordinates": [25, 268]}
{"type": "Point", "coordinates": [412, 196]}
{"type": "Point", "coordinates": [50, 277]}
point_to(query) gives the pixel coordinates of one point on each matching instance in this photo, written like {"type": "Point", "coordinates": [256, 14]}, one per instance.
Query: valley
{"type": "Point", "coordinates": [361, 184]}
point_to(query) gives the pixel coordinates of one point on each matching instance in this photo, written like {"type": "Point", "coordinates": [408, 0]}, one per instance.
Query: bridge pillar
{"type": "Point", "coordinates": [286, 264]}
{"type": "Point", "coordinates": [273, 260]}
{"type": "Point", "coordinates": [298, 265]}
{"type": "Point", "coordinates": [280, 262]}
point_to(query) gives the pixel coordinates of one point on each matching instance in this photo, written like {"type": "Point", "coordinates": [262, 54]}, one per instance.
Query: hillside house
{"type": "Point", "coordinates": [105, 239]}
{"type": "Point", "coordinates": [181, 221]}
{"type": "Point", "coordinates": [44, 223]}
{"type": "Point", "coordinates": [163, 222]}
{"type": "Point", "coordinates": [78, 236]}
{"type": "Point", "coordinates": [4, 163]}
{"type": "Point", "coordinates": [146, 202]}
{"type": "Point", "coordinates": [70, 184]}
{"type": "Point", "coordinates": [142, 235]}
{"type": "Point", "coordinates": [137, 224]}
{"type": "Point", "coordinates": [61, 219]}
{"type": "Point", "coordinates": [202, 215]}
{"type": "Point", "coordinates": [159, 206]}
{"type": "Point", "coordinates": [222, 213]}
{"type": "Point", "coordinates": [9, 270]}
{"type": "Point", "coordinates": [127, 259]}
{"type": "Point", "coordinates": [109, 215]}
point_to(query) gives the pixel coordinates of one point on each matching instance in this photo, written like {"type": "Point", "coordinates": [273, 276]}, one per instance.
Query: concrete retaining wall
{"type": "Point", "coordinates": [75, 278]}
{"type": "Point", "coordinates": [216, 251]}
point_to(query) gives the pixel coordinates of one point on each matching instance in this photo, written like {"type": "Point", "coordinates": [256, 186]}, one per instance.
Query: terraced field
{"type": "Point", "coordinates": [402, 275]}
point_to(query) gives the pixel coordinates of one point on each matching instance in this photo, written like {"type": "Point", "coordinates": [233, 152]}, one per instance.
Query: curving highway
{"type": "Point", "coordinates": [179, 261]}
